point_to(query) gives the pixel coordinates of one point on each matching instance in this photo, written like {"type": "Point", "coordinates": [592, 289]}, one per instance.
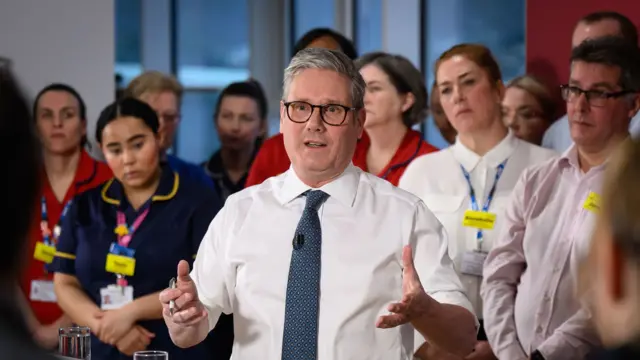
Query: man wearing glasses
{"type": "Point", "coordinates": [530, 307]}
{"type": "Point", "coordinates": [318, 262]}
{"type": "Point", "coordinates": [593, 25]}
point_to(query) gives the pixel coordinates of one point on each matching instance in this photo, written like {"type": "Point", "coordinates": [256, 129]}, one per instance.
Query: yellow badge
{"type": "Point", "coordinates": [479, 219]}
{"type": "Point", "coordinates": [592, 203]}
{"type": "Point", "coordinates": [121, 230]}
{"type": "Point", "coordinates": [119, 264]}
{"type": "Point", "coordinates": [44, 252]}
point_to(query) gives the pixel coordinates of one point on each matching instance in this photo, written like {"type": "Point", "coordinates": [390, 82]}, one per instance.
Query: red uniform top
{"type": "Point", "coordinates": [90, 173]}
{"type": "Point", "coordinates": [272, 159]}
{"type": "Point", "coordinates": [410, 148]}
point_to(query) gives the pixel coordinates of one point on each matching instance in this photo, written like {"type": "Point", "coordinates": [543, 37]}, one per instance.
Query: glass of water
{"type": "Point", "coordinates": [75, 342]}
{"type": "Point", "coordinates": [151, 355]}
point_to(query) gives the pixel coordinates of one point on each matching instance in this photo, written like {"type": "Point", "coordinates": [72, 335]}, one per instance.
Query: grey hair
{"type": "Point", "coordinates": [318, 58]}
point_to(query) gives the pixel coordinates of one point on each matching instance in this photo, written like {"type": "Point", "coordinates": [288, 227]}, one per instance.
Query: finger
{"type": "Point", "coordinates": [391, 321]}
{"type": "Point", "coordinates": [399, 308]}
{"type": "Point", "coordinates": [183, 272]}
{"type": "Point", "coordinates": [185, 300]}
{"type": "Point", "coordinates": [407, 261]}
{"type": "Point", "coordinates": [189, 317]}
{"type": "Point", "coordinates": [146, 332]}
{"type": "Point", "coordinates": [167, 295]}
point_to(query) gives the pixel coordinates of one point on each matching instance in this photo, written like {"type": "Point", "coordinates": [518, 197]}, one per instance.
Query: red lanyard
{"type": "Point", "coordinates": [125, 233]}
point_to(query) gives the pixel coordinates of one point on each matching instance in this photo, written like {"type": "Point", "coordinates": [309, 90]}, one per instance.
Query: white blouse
{"type": "Point", "coordinates": [439, 180]}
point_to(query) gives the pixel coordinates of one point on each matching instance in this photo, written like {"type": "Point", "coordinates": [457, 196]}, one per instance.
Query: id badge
{"type": "Point", "coordinates": [592, 203]}
{"type": "Point", "coordinates": [44, 252]}
{"type": "Point", "coordinates": [120, 264]}
{"type": "Point", "coordinates": [114, 297]}
{"type": "Point", "coordinates": [473, 262]}
{"type": "Point", "coordinates": [479, 219]}
{"type": "Point", "coordinates": [42, 290]}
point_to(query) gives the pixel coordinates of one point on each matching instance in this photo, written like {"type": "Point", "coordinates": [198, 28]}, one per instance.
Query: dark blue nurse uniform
{"type": "Point", "coordinates": [180, 213]}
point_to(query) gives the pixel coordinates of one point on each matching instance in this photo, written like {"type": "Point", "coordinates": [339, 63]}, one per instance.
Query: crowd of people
{"type": "Point", "coordinates": [346, 235]}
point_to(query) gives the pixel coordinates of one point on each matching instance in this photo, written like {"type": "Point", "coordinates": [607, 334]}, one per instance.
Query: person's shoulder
{"type": "Point", "coordinates": [196, 191]}
{"type": "Point", "coordinates": [538, 153]}
{"type": "Point", "coordinates": [274, 141]}
{"type": "Point", "coordinates": [189, 170]}
{"type": "Point", "coordinates": [384, 190]}
{"type": "Point", "coordinates": [426, 148]}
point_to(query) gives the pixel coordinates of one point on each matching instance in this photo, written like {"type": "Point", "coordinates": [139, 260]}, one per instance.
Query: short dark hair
{"type": "Point", "coordinates": [127, 107]}
{"type": "Point", "coordinates": [251, 89]}
{"type": "Point", "coordinates": [627, 29]}
{"type": "Point", "coordinates": [82, 107]}
{"type": "Point", "coordinates": [612, 51]}
{"type": "Point", "coordinates": [406, 78]}
{"type": "Point", "coordinates": [346, 46]}
{"type": "Point", "coordinates": [21, 183]}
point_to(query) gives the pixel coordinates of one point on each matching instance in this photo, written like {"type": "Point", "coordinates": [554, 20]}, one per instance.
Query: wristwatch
{"type": "Point", "coordinates": [536, 355]}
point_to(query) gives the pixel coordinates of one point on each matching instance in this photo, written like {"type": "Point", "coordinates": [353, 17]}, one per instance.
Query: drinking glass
{"type": "Point", "coordinates": [151, 355]}
{"type": "Point", "coordinates": [75, 342]}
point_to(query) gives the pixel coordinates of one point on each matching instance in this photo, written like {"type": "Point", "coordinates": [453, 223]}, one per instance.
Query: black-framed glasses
{"type": "Point", "coordinates": [596, 98]}
{"type": "Point", "coordinates": [331, 114]}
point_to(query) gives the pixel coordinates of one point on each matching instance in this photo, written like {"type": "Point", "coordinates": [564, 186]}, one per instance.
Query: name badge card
{"type": "Point", "coordinates": [479, 219]}
{"type": "Point", "coordinates": [473, 262]}
{"type": "Point", "coordinates": [114, 297]}
{"type": "Point", "coordinates": [42, 290]}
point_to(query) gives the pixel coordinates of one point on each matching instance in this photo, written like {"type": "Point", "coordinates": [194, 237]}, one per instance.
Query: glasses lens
{"type": "Point", "coordinates": [333, 114]}
{"type": "Point", "coordinates": [299, 111]}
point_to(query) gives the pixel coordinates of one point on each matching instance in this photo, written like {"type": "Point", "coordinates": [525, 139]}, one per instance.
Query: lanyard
{"type": "Point", "coordinates": [472, 195]}
{"type": "Point", "coordinates": [126, 232]}
{"type": "Point", "coordinates": [44, 222]}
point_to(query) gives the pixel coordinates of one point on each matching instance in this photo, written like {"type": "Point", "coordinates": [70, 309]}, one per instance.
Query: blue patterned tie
{"type": "Point", "coordinates": [300, 340]}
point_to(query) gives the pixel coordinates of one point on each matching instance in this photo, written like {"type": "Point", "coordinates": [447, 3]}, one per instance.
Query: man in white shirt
{"type": "Point", "coordinates": [316, 263]}
{"type": "Point", "coordinates": [598, 24]}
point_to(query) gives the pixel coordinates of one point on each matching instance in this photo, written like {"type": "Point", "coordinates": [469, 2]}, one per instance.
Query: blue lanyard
{"type": "Point", "coordinates": [472, 195]}
{"type": "Point", "coordinates": [44, 225]}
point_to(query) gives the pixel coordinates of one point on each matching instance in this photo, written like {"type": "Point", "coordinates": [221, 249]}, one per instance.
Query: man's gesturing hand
{"type": "Point", "coordinates": [188, 309]}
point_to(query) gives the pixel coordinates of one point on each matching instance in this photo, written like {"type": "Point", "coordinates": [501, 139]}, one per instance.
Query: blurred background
{"type": "Point", "coordinates": [98, 46]}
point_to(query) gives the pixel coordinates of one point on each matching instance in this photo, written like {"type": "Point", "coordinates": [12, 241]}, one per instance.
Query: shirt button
{"type": "Point", "coordinates": [539, 329]}
{"type": "Point", "coordinates": [546, 297]}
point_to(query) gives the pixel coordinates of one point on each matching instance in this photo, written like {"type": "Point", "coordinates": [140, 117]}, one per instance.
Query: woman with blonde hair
{"type": "Point", "coordinates": [528, 108]}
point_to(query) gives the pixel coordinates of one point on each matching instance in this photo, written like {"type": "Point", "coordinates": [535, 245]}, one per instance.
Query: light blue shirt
{"type": "Point", "coordinates": [558, 136]}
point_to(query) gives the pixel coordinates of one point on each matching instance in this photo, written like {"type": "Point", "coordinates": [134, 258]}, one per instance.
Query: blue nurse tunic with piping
{"type": "Point", "coordinates": [179, 214]}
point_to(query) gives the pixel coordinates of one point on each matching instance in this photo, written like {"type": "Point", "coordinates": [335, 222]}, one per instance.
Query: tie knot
{"type": "Point", "coordinates": [315, 198]}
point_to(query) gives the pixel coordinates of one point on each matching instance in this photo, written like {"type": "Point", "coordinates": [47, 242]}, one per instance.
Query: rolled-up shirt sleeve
{"type": "Point", "coordinates": [432, 261]}
{"type": "Point", "coordinates": [210, 271]}
{"type": "Point", "coordinates": [502, 271]}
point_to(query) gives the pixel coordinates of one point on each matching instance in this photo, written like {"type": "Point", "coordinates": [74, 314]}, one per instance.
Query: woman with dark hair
{"type": "Point", "coordinates": [241, 121]}
{"type": "Point", "coordinates": [272, 159]}
{"type": "Point", "coordinates": [122, 241]}
{"type": "Point", "coordinates": [395, 101]}
{"type": "Point", "coordinates": [61, 123]}
{"type": "Point", "coordinates": [327, 39]}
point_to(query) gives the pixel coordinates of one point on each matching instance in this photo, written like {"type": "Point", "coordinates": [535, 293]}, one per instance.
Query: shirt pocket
{"type": "Point", "coordinates": [449, 210]}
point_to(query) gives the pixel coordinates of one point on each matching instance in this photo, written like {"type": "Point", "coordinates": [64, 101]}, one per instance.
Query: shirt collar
{"type": "Point", "coordinates": [113, 192]}
{"type": "Point", "coordinates": [343, 188]}
{"type": "Point", "coordinates": [570, 159]}
{"type": "Point", "coordinates": [496, 156]}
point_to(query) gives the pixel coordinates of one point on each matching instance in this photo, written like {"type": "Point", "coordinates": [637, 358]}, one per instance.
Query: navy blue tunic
{"type": "Point", "coordinates": [180, 213]}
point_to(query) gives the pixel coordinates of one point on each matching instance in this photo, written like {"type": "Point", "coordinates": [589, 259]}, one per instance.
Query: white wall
{"type": "Point", "coordinates": [70, 41]}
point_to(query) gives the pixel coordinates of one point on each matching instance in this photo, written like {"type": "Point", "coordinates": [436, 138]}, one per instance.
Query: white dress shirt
{"type": "Point", "coordinates": [558, 135]}
{"type": "Point", "coordinates": [439, 181]}
{"type": "Point", "coordinates": [243, 262]}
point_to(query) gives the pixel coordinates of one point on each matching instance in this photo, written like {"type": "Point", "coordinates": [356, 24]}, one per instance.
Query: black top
{"type": "Point", "coordinates": [626, 352]}
{"type": "Point", "coordinates": [16, 342]}
{"type": "Point", "coordinates": [215, 169]}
